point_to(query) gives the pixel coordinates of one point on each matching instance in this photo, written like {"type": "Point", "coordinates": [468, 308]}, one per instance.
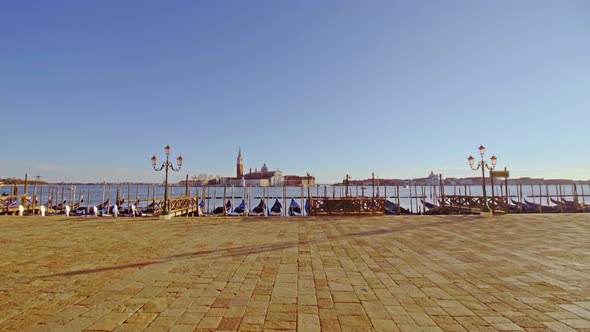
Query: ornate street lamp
{"type": "Point", "coordinates": [483, 165]}
{"type": "Point", "coordinates": [166, 165]}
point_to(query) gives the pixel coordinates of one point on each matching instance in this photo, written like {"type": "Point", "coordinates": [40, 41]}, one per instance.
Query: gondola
{"type": "Point", "coordinates": [219, 210]}
{"type": "Point", "coordinates": [391, 208]}
{"type": "Point", "coordinates": [568, 206]}
{"type": "Point", "coordinates": [238, 211]}
{"type": "Point", "coordinates": [294, 208]}
{"type": "Point", "coordinates": [59, 206]}
{"type": "Point", "coordinates": [542, 208]}
{"type": "Point", "coordinates": [565, 201]}
{"type": "Point", "coordinates": [428, 205]}
{"type": "Point", "coordinates": [276, 209]}
{"type": "Point", "coordinates": [10, 202]}
{"type": "Point", "coordinates": [522, 207]}
{"type": "Point", "coordinates": [260, 209]}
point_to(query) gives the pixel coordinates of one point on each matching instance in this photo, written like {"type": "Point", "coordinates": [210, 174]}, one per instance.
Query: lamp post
{"type": "Point", "coordinates": [166, 165]}
{"type": "Point", "coordinates": [483, 165]}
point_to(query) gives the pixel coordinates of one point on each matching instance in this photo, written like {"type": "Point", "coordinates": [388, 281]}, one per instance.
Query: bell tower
{"type": "Point", "coordinates": [240, 165]}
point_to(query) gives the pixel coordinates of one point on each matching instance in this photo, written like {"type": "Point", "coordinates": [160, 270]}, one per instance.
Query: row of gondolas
{"type": "Point", "coordinates": [294, 208]}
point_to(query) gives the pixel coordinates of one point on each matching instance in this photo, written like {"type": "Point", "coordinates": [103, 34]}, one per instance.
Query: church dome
{"type": "Point", "coordinates": [264, 168]}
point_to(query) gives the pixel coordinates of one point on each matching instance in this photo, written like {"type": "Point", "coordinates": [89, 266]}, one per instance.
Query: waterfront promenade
{"type": "Point", "coordinates": [416, 273]}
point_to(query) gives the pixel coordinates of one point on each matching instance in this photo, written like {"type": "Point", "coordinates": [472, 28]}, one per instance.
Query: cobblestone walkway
{"type": "Point", "coordinates": [430, 273]}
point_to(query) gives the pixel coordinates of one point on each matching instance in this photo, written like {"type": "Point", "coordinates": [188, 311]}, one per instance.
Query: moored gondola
{"type": "Point", "coordinates": [276, 209]}
{"type": "Point", "coordinates": [260, 209]}
{"type": "Point", "coordinates": [294, 208]}
{"type": "Point", "coordinates": [220, 209]}
{"type": "Point", "coordinates": [392, 209]}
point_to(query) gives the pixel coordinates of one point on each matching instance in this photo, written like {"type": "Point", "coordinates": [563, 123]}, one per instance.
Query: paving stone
{"type": "Point", "coordinates": [354, 273]}
{"type": "Point", "coordinates": [109, 322]}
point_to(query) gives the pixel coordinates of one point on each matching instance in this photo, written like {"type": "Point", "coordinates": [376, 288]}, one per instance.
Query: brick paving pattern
{"type": "Point", "coordinates": [419, 273]}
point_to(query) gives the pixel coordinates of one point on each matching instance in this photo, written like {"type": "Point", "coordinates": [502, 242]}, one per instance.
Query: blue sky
{"type": "Point", "coordinates": [89, 91]}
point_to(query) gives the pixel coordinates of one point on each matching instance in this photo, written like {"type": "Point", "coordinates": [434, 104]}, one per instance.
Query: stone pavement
{"type": "Point", "coordinates": [416, 273]}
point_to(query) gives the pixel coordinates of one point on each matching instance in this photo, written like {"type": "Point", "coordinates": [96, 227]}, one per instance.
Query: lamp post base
{"type": "Point", "coordinates": [486, 214]}
{"type": "Point", "coordinates": [166, 216]}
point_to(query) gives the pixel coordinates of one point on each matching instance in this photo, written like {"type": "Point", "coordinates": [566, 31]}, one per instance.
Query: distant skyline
{"type": "Point", "coordinates": [90, 91]}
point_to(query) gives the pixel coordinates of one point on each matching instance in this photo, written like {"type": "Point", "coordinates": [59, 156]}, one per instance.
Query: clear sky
{"type": "Point", "coordinates": [90, 90]}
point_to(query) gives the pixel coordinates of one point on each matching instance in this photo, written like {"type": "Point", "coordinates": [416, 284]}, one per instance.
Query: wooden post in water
{"type": "Point", "coordinates": [147, 199]}
{"type": "Point", "coordinates": [583, 198]}
{"type": "Point", "coordinates": [302, 202]}
{"type": "Point", "coordinates": [34, 196]}
{"type": "Point", "coordinates": [507, 192]}
{"type": "Point", "coordinates": [423, 199]}
{"type": "Point", "coordinates": [103, 189]}
{"type": "Point", "coordinates": [186, 193]}
{"type": "Point", "coordinates": [62, 201]}
{"type": "Point", "coordinates": [309, 198]}
{"type": "Point", "coordinates": [378, 188]}
{"type": "Point", "coordinates": [154, 193]}
{"type": "Point", "coordinates": [109, 200]}
{"type": "Point", "coordinates": [197, 200]}
{"type": "Point", "coordinates": [284, 199]}
{"type": "Point", "coordinates": [41, 195]}
{"type": "Point", "coordinates": [493, 201]}
{"type": "Point", "coordinates": [503, 197]}
{"type": "Point", "coordinates": [224, 197]}
{"type": "Point", "coordinates": [80, 197]}
{"type": "Point", "coordinates": [575, 193]}
{"type": "Point", "coordinates": [441, 190]}
{"type": "Point", "coordinates": [49, 196]}
{"type": "Point", "coordinates": [26, 193]}
{"type": "Point", "coordinates": [416, 200]}
{"type": "Point", "coordinates": [399, 208]}
{"type": "Point", "coordinates": [560, 198]}
{"type": "Point", "coordinates": [373, 184]}
{"type": "Point", "coordinates": [410, 196]}
{"type": "Point", "coordinates": [249, 198]}
{"type": "Point", "coordinates": [233, 200]}
{"type": "Point", "coordinates": [203, 199]}
{"type": "Point", "coordinates": [214, 199]}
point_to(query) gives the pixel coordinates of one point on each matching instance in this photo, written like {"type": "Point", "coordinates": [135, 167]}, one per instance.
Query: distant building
{"type": "Point", "coordinates": [240, 165]}
{"type": "Point", "coordinates": [294, 180]}
{"type": "Point", "coordinates": [239, 179]}
{"type": "Point", "coordinates": [262, 178]}
{"type": "Point", "coordinates": [431, 180]}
